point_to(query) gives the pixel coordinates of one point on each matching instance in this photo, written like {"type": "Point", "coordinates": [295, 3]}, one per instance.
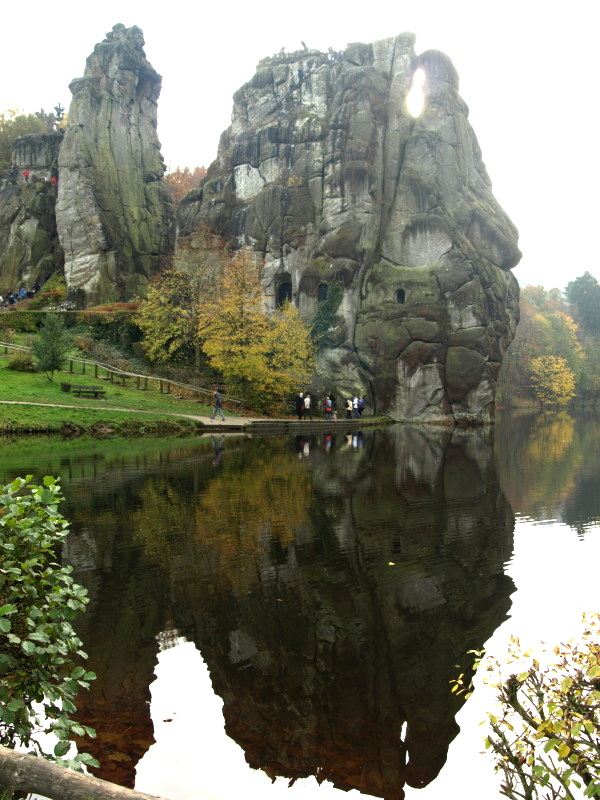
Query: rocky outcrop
{"type": "Point", "coordinates": [114, 215]}
{"type": "Point", "coordinates": [30, 250]}
{"type": "Point", "coordinates": [326, 174]}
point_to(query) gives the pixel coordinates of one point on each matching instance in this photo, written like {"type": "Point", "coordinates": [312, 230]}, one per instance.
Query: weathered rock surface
{"type": "Point", "coordinates": [30, 250]}
{"type": "Point", "coordinates": [114, 216]}
{"type": "Point", "coordinates": [326, 174]}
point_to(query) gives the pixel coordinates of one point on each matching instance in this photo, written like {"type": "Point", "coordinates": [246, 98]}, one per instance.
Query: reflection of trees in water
{"type": "Point", "coordinates": [363, 619]}
{"type": "Point", "coordinates": [549, 466]}
{"type": "Point", "coordinates": [332, 597]}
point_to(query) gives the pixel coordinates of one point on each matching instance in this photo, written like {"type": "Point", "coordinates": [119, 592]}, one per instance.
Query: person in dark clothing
{"type": "Point", "coordinates": [218, 406]}
{"type": "Point", "coordinates": [300, 405]}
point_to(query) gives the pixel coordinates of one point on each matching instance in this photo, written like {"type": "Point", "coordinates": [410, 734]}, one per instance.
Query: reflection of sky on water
{"type": "Point", "coordinates": [193, 757]}
{"type": "Point", "coordinates": [555, 573]}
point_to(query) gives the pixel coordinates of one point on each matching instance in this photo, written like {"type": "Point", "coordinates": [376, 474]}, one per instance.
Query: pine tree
{"type": "Point", "coordinates": [52, 345]}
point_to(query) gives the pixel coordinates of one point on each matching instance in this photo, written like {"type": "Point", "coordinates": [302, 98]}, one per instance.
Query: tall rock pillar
{"type": "Point", "coordinates": [114, 216]}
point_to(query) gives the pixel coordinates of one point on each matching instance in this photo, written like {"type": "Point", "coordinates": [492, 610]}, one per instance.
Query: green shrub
{"type": "Point", "coordinates": [52, 293]}
{"type": "Point", "coordinates": [38, 601]}
{"type": "Point", "coordinates": [22, 321]}
{"type": "Point", "coordinates": [326, 313]}
{"type": "Point", "coordinates": [115, 326]}
{"type": "Point", "coordinates": [21, 361]}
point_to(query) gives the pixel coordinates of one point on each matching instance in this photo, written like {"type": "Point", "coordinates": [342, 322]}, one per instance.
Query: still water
{"type": "Point", "coordinates": [299, 605]}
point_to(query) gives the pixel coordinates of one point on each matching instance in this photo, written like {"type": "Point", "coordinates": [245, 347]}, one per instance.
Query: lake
{"type": "Point", "coordinates": [268, 611]}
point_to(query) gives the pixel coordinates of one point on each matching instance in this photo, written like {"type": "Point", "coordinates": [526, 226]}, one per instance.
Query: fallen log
{"type": "Point", "coordinates": [32, 774]}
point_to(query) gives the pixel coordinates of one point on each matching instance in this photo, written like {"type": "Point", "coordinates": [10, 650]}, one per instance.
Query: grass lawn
{"type": "Point", "coordinates": [36, 388]}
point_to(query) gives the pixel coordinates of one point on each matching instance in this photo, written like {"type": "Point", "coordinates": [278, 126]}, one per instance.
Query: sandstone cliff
{"type": "Point", "coordinates": [30, 250]}
{"type": "Point", "coordinates": [345, 195]}
{"type": "Point", "coordinates": [114, 216]}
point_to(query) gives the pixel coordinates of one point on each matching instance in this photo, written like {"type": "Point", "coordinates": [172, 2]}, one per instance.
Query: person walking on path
{"type": "Point", "coordinates": [355, 407]}
{"type": "Point", "coordinates": [218, 406]}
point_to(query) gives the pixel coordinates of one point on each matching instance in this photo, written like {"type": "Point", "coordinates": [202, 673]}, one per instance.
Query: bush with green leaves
{"type": "Point", "coordinates": [52, 293]}
{"type": "Point", "coordinates": [21, 361]}
{"type": "Point", "coordinates": [40, 654]}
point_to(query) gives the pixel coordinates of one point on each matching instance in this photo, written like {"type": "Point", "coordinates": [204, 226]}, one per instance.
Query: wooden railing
{"type": "Point", "coordinates": [83, 366]}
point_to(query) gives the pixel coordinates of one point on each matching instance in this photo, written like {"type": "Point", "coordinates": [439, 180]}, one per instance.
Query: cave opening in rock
{"type": "Point", "coordinates": [284, 292]}
{"type": "Point", "coordinates": [400, 296]}
{"type": "Point", "coordinates": [322, 292]}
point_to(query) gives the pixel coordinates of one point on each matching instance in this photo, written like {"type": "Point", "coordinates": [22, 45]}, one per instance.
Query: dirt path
{"type": "Point", "coordinates": [230, 422]}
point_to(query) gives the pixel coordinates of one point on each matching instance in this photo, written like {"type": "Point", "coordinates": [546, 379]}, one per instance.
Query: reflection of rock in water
{"type": "Point", "coordinates": [357, 628]}
{"type": "Point", "coordinates": [332, 596]}
{"type": "Point", "coordinates": [119, 635]}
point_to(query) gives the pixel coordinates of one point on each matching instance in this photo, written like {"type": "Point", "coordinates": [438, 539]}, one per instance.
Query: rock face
{"type": "Point", "coordinates": [30, 250]}
{"type": "Point", "coordinates": [114, 216]}
{"type": "Point", "coordinates": [388, 219]}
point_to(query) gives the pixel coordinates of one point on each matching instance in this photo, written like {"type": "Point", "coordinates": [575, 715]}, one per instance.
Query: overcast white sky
{"type": "Point", "coordinates": [528, 72]}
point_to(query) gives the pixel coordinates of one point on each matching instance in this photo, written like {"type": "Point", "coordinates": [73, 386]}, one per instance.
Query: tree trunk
{"type": "Point", "coordinates": [33, 774]}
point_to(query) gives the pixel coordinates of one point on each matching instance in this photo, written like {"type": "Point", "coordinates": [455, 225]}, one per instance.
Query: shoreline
{"type": "Point", "coordinates": [170, 423]}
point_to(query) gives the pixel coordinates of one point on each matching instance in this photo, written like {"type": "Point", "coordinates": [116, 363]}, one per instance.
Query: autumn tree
{"type": "Point", "coordinates": [553, 383]}
{"type": "Point", "coordinates": [210, 301]}
{"type": "Point", "coordinates": [264, 357]}
{"type": "Point", "coordinates": [181, 181]}
{"type": "Point", "coordinates": [168, 316]}
{"type": "Point", "coordinates": [545, 329]}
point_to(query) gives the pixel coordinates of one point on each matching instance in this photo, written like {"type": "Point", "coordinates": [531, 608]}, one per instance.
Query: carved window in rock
{"type": "Point", "coordinates": [400, 296]}
{"type": "Point", "coordinates": [322, 291]}
{"type": "Point", "coordinates": [284, 292]}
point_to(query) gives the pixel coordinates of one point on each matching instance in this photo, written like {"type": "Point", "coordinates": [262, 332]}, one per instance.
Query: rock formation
{"type": "Point", "coordinates": [113, 224]}
{"type": "Point", "coordinates": [346, 196]}
{"type": "Point", "coordinates": [30, 250]}
{"type": "Point", "coordinates": [114, 216]}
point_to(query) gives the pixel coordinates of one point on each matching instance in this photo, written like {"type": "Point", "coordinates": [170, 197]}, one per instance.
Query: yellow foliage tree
{"type": "Point", "coordinates": [552, 381]}
{"type": "Point", "coordinates": [265, 357]}
{"type": "Point", "coordinates": [168, 316]}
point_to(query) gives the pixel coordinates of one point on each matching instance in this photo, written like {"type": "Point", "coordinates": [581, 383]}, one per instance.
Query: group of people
{"type": "Point", "coordinates": [11, 298]}
{"type": "Point", "coordinates": [355, 407]}
{"type": "Point", "coordinates": [11, 176]}
{"type": "Point", "coordinates": [305, 406]}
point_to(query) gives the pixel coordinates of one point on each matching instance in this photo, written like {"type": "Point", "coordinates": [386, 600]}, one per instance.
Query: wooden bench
{"type": "Point", "coordinates": [94, 391]}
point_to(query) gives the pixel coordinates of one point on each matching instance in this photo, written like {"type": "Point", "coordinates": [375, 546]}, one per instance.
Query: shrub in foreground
{"type": "Point", "coordinates": [39, 651]}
